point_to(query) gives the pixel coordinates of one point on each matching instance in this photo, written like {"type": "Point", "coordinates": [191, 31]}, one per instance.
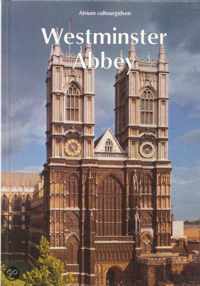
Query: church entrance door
{"type": "Point", "coordinates": [114, 277]}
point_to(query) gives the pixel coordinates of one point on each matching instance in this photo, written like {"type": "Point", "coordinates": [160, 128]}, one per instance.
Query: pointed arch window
{"type": "Point", "coordinates": [16, 203]}
{"type": "Point", "coordinates": [147, 107]}
{"type": "Point", "coordinates": [73, 192]}
{"type": "Point", "coordinates": [108, 146]}
{"type": "Point", "coordinates": [109, 208]}
{"type": "Point", "coordinates": [5, 204]}
{"type": "Point", "coordinates": [72, 104]}
{"type": "Point", "coordinates": [72, 250]}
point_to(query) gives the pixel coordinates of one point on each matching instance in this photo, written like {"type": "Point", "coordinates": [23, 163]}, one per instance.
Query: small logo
{"type": "Point", "coordinates": [12, 273]}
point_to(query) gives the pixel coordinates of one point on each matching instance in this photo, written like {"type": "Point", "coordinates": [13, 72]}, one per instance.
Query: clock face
{"type": "Point", "coordinates": [147, 150]}
{"type": "Point", "coordinates": [72, 148]}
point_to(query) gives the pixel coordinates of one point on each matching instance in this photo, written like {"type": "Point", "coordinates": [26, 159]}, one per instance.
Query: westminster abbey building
{"type": "Point", "coordinates": [104, 204]}
{"type": "Point", "coordinates": [107, 201]}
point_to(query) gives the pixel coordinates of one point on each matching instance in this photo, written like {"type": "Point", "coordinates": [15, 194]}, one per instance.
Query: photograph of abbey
{"type": "Point", "coordinates": [102, 197]}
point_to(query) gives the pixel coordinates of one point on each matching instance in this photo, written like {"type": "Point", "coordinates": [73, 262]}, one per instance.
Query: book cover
{"type": "Point", "coordinates": [100, 143]}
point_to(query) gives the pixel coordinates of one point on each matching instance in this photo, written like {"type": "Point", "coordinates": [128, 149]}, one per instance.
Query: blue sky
{"type": "Point", "coordinates": [25, 62]}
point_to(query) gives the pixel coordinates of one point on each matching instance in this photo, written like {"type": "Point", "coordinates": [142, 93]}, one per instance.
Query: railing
{"type": "Point", "coordinates": [109, 155]}
{"type": "Point", "coordinates": [72, 267]}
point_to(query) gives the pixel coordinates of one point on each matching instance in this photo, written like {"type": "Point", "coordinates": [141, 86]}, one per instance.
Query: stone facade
{"type": "Point", "coordinates": [107, 201]}
{"type": "Point", "coordinates": [17, 190]}
{"type": "Point", "coordinates": [103, 204]}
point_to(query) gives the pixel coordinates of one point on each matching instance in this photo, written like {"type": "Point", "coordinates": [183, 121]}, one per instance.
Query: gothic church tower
{"type": "Point", "coordinates": [70, 107]}
{"type": "Point", "coordinates": [107, 202]}
{"type": "Point", "coordinates": [142, 107]}
{"type": "Point", "coordinates": [70, 150]}
{"type": "Point", "coordinates": [141, 126]}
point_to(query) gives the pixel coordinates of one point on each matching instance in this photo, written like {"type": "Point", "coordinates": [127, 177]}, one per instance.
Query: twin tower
{"type": "Point", "coordinates": [141, 104]}
{"type": "Point", "coordinates": [107, 201]}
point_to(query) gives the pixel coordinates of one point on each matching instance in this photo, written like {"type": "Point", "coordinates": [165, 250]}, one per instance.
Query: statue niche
{"type": "Point", "coordinates": [146, 243]}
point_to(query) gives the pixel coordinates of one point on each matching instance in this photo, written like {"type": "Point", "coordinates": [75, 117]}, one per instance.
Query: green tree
{"type": "Point", "coordinates": [48, 270]}
{"type": "Point", "coordinates": [70, 279]}
{"type": "Point", "coordinates": [4, 281]}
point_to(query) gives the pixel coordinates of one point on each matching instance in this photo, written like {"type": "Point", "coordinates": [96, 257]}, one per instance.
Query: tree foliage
{"type": "Point", "coordinates": [4, 281]}
{"type": "Point", "coordinates": [48, 270]}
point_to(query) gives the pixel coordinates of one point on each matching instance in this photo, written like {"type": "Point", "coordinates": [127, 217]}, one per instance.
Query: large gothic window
{"type": "Point", "coordinates": [72, 250]}
{"type": "Point", "coordinates": [109, 207]}
{"type": "Point", "coordinates": [72, 192]}
{"type": "Point", "coordinates": [147, 107]}
{"type": "Point", "coordinates": [28, 203]}
{"type": "Point", "coordinates": [72, 103]}
{"type": "Point", "coordinates": [5, 204]}
{"type": "Point", "coordinates": [16, 203]}
{"type": "Point", "coordinates": [108, 146]}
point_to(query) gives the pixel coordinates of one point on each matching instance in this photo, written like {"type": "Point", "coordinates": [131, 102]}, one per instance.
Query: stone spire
{"type": "Point", "coordinates": [81, 50]}
{"type": "Point", "coordinates": [87, 54]}
{"type": "Point", "coordinates": [162, 54]}
{"type": "Point", "coordinates": [51, 52]}
{"type": "Point", "coordinates": [121, 53]}
{"type": "Point", "coordinates": [55, 53]}
{"type": "Point", "coordinates": [121, 66]}
{"type": "Point", "coordinates": [132, 51]}
{"type": "Point", "coordinates": [88, 48]}
{"type": "Point", "coordinates": [56, 50]}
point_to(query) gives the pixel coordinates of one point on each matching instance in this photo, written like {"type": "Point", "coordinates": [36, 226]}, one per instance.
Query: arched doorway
{"type": "Point", "coordinates": [114, 277]}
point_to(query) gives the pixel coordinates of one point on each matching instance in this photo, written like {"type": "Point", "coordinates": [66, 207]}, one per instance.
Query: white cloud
{"type": "Point", "coordinates": [184, 78]}
{"type": "Point", "coordinates": [28, 169]}
{"type": "Point", "coordinates": [23, 123]}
